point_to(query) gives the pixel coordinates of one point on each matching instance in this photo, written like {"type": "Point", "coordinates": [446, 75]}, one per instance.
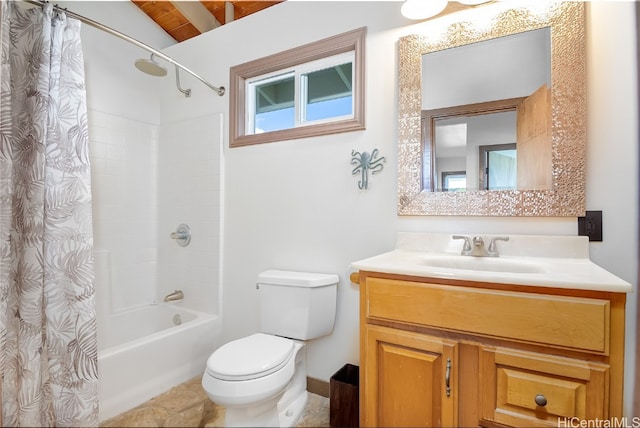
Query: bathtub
{"type": "Point", "coordinates": [146, 351]}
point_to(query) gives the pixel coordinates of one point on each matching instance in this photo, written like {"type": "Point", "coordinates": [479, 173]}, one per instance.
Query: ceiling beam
{"type": "Point", "coordinates": [197, 14]}
{"type": "Point", "coordinates": [185, 19]}
{"type": "Point", "coordinates": [229, 12]}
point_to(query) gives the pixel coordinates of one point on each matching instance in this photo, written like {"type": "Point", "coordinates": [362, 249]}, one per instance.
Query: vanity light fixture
{"type": "Point", "coordinates": [423, 9]}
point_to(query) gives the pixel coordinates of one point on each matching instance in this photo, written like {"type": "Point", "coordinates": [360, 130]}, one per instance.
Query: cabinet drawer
{"type": "Point", "coordinates": [567, 322]}
{"type": "Point", "coordinates": [529, 389]}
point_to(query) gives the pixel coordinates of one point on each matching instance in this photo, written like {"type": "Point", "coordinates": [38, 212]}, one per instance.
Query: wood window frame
{"type": "Point", "coordinates": [345, 42]}
{"type": "Point", "coordinates": [428, 134]}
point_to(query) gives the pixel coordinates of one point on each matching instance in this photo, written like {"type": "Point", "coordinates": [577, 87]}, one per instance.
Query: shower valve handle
{"type": "Point", "coordinates": [182, 235]}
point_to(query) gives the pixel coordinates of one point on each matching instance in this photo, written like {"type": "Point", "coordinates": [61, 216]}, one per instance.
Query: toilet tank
{"type": "Point", "coordinates": [297, 305]}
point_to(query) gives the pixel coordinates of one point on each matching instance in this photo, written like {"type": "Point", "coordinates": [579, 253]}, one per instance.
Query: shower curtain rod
{"type": "Point", "coordinates": [218, 89]}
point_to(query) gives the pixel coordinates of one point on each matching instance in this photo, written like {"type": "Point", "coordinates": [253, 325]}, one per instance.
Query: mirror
{"type": "Point", "coordinates": [495, 81]}
{"type": "Point", "coordinates": [457, 130]}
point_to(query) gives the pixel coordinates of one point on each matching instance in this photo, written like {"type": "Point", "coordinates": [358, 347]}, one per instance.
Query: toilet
{"type": "Point", "coordinates": [261, 379]}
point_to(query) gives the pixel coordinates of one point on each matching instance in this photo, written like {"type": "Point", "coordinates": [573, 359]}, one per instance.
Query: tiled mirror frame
{"type": "Point", "coordinates": [568, 92]}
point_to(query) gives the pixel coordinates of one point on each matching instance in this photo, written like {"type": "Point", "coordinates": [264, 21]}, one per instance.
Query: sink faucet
{"type": "Point", "coordinates": [176, 296]}
{"type": "Point", "coordinates": [475, 247]}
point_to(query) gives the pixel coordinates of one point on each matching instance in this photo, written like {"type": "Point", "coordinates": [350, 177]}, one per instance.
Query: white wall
{"type": "Point", "coordinates": [295, 205]}
{"type": "Point", "coordinates": [612, 158]}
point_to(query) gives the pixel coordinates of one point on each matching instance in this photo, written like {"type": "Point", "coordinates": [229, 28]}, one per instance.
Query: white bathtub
{"type": "Point", "coordinates": [141, 353]}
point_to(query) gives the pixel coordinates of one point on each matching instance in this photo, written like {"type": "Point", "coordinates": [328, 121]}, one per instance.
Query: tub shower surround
{"type": "Point", "coordinates": [144, 184]}
{"type": "Point", "coordinates": [124, 176]}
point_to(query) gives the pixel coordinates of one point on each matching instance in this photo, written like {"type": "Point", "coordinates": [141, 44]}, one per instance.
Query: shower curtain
{"type": "Point", "coordinates": [48, 349]}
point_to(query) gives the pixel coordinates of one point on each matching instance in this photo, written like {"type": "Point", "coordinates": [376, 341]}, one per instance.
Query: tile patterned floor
{"type": "Point", "coordinates": [187, 405]}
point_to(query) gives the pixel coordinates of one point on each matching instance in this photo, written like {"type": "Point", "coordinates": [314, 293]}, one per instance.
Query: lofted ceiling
{"type": "Point", "coordinates": [183, 20]}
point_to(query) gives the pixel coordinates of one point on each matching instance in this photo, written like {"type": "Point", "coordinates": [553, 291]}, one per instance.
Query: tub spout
{"type": "Point", "coordinates": [176, 296]}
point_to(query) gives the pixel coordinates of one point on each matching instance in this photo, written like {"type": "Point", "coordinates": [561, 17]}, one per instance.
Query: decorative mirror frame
{"type": "Point", "coordinates": [568, 115]}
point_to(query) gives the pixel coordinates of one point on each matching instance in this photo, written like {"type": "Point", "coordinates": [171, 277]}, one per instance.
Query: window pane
{"type": "Point", "coordinates": [330, 108]}
{"type": "Point", "coordinates": [329, 93]}
{"type": "Point", "coordinates": [274, 120]}
{"type": "Point", "coordinates": [274, 104]}
{"type": "Point", "coordinates": [455, 182]}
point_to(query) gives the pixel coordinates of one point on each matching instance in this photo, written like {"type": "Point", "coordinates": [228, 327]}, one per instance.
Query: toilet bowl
{"type": "Point", "coordinates": [261, 379]}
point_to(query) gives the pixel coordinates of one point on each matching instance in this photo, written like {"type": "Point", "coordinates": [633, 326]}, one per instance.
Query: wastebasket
{"type": "Point", "coordinates": [343, 397]}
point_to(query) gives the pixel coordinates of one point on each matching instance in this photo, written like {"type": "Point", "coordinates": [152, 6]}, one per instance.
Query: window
{"type": "Point", "coordinates": [454, 181]}
{"type": "Point", "coordinates": [315, 89]}
{"type": "Point", "coordinates": [315, 92]}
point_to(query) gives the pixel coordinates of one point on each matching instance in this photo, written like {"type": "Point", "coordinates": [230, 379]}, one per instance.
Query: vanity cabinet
{"type": "Point", "coordinates": [445, 352]}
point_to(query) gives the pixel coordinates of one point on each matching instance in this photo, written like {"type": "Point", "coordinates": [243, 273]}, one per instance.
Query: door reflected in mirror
{"type": "Point", "coordinates": [465, 139]}
{"type": "Point", "coordinates": [487, 115]}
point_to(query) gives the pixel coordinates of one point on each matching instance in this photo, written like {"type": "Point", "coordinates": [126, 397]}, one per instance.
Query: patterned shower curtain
{"type": "Point", "coordinates": [48, 348]}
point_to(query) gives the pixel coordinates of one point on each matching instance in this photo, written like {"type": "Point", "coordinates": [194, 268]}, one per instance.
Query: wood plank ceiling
{"type": "Point", "coordinates": [186, 19]}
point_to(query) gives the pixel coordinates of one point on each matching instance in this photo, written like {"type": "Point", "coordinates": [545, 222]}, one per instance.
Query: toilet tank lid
{"type": "Point", "coordinates": [297, 279]}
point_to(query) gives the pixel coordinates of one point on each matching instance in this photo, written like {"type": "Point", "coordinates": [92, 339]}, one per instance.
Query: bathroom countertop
{"type": "Point", "coordinates": [544, 261]}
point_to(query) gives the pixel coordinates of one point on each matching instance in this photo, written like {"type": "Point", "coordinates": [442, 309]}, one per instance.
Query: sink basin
{"type": "Point", "coordinates": [530, 260]}
{"type": "Point", "coordinates": [486, 264]}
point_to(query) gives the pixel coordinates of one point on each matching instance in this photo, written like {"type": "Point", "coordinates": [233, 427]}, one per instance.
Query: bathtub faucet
{"type": "Point", "coordinates": [176, 296]}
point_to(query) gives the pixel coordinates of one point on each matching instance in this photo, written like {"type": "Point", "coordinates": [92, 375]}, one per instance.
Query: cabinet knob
{"type": "Point", "coordinates": [541, 400]}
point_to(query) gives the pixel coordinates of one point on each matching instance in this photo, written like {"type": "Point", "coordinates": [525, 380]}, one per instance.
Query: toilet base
{"type": "Point", "coordinates": [291, 405]}
{"type": "Point", "coordinates": [267, 414]}
{"type": "Point", "coordinates": [289, 415]}
{"type": "Point", "coordinates": [264, 414]}
{"type": "Point", "coordinates": [282, 410]}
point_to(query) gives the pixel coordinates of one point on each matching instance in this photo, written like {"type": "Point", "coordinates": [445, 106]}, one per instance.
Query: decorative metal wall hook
{"type": "Point", "coordinates": [365, 162]}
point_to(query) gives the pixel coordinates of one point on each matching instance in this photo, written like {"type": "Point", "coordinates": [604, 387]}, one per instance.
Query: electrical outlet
{"type": "Point", "coordinates": [591, 225]}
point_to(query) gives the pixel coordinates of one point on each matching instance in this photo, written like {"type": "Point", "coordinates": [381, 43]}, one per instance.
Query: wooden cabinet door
{"type": "Point", "coordinates": [410, 379]}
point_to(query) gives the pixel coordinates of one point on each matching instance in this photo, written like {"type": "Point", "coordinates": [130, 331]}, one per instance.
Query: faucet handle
{"type": "Point", "coordinates": [466, 248]}
{"type": "Point", "coordinates": [493, 248]}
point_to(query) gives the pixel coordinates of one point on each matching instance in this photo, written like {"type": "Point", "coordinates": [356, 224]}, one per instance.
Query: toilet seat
{"type": "Point", "coordinates": [239, 393]}
{"type": "Point", "coordinates": [251, 357]}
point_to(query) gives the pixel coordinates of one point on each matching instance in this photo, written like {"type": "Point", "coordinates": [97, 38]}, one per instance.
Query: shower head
{"type": "Point", "coordinates": [150, 67]}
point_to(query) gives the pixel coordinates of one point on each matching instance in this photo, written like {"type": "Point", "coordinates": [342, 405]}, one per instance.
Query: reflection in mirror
{"type": "Point", "coordinates": [498, 166]}
{"type": "Point", "coordinates": [546, 113]}
{"type": "Point", "coordinates": [518, 65]}
{"type": "Point", "coordinates": [468, 147]}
